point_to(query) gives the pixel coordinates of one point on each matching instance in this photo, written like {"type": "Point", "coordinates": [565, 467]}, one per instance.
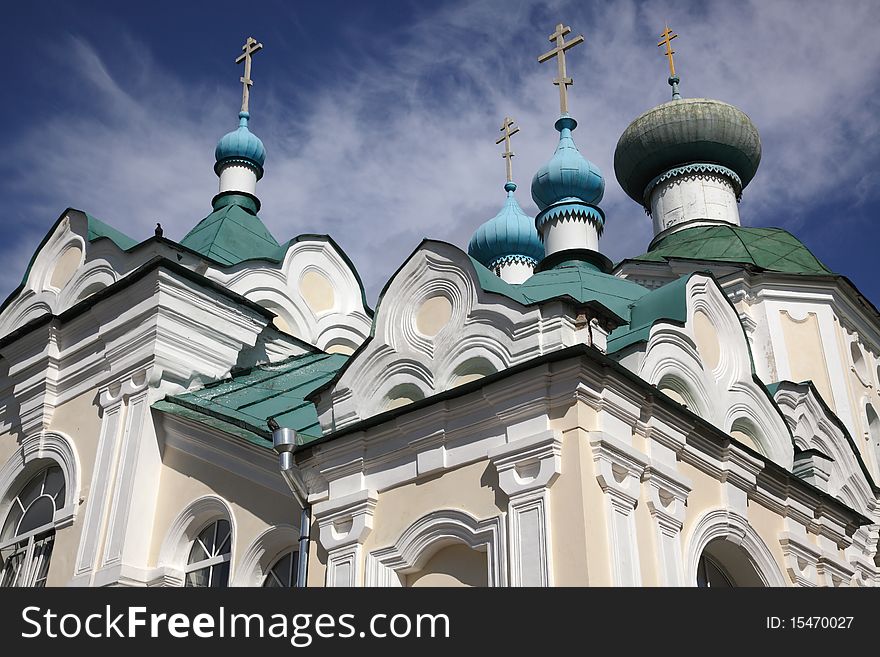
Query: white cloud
{"type": "Point", "coordinates": [398, 148]}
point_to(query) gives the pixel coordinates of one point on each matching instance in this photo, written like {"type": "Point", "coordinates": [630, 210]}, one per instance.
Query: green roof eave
{"type": "Point", "coordinates": [99, 230]}
{"type": "Point", "coordinates": [230, 428]}
{"type": "Point", "coordinates": [668, 303]}
{"type": "Point", "coordinates": [244, 402]}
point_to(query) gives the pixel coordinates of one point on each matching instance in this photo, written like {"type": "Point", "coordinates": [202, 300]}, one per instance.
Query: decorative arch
{"type": "Point", "coordinates": [38, 451]}
{"type": "Point", "coordinates": [433, 532]}
{"type": "Point", "coordinates": [687, 389]}
{"type": "Point", "coordinates": [262, 553]}
{"type": "Point", "coordinates": [728, 525]}
{"type": "Point", "coordinates": [93, 277]}
{"type": "Point", "coordinates": [183, 531]}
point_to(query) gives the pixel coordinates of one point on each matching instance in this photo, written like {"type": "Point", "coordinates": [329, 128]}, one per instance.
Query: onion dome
{"type": "Point", "coordinates": [568, 184]}
{"type": "Point", "coordinates": [684, 136]}
{"type": "Point", "coordinates": [510, 236]}
{"type": "Point", "coordinates": [241, 146]}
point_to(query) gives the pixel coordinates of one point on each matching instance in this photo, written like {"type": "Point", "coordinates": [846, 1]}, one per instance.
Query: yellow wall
{"type": "Point", "coordinates": [79, 420]}
{"type": "Point", "coordinates": [455, 565]}
{"type": "Point", "coordinates": [185, 478]}
{"type": "Point", "coordinates": [806, 358]}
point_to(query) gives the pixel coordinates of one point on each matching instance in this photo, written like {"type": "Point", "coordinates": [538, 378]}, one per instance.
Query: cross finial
{"type": "Point", "coordinates": [509, 130]}
{"type": "Point", "coordinates": [562, 80]}
{"type": "Point", "coordinates": [250, 47]}
{"type": "Point", "coordinates": [666, 40]}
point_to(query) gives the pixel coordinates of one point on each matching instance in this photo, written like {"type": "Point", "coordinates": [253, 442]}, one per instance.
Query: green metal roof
{"type": "Point", "coordinates": [770, 249]}
{"type": "Point", "coordinates": [668, 302]}
{"type": "Point", "coordinates": [576, 279]}
{"type": "Point", "coordinates": [240, 405]}
{"type": "Point", "coordinates": [233, 233]}
{"type": "Point", "coordinates": [98, 229]}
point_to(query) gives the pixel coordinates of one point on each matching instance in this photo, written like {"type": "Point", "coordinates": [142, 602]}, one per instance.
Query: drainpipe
{"type": "Point", "coordinates": [284, 442]}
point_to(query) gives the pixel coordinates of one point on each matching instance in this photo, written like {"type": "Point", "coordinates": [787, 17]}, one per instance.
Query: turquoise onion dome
{"type": "Point", "coordinates": [242, 146]}
{"type": "Point", "coordinates": [569, 184]}
{"type": "Point", "coordinates": [568, 174]}
{"type": "Point", "coordinates": [510, 236]}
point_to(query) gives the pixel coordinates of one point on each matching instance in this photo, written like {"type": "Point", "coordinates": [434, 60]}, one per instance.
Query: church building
{"type": "Point", "coordinates": [228, 410]}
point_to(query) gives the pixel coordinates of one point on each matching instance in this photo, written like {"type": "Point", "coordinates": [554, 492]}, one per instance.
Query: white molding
{"type": "Point", "coordinates": [429, 534]}
{"type": "Point", "coordinates": [801, 559]}
{"type": "Point", "coordinates": [186, 526]}
{"type": "Point", "coordinates": [731, 526]}
{"type": "Point", "coordinates": [343, 525]}
{"type": "Point", "coordinates": [482, 325]}
{"type": "Point", "coordinates": [45, 445]}
{"type": "Point", "coordinates": [101, 485]}
{"type": "Point", "coordinates": [527, 469]}
{"type": "Point", "coordinates": [667, 492]}
{"type": "Point", "coordinates": [619, 468]}
{"type": "Point", "coordinates": [262, 553]}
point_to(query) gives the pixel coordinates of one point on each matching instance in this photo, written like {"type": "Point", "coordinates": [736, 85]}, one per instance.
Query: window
{"type": "Point", "coordinates": [282, 574]}
{"type": "Point", "coordinates": [711, 574]}
{"type": "Point", "coordinates": [29, 530]}
{"type": "Point", "coordinates": [208, 563]}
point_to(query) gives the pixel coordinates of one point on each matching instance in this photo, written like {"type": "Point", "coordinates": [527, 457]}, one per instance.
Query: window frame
{"type": "Point", "coordinates": [211, 562]}
{"type": "Point", "coordinates": [34, 565]}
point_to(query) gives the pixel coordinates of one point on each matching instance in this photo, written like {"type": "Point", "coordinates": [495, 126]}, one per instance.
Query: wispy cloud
{"type": "Point", "coordinates": [400, 146]}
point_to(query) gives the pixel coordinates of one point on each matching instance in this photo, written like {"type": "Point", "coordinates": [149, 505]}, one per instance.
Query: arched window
{"type": "Point", "coordinates": [723, 564]}
{"type": "Point", "coordinates": [29, 529]}
{"type": "Point", "coordinates": [282, 574]}
{"type": "Point", "coordinates": [209, 557]}
{"type": "Point", "coordinates": [712, 574]}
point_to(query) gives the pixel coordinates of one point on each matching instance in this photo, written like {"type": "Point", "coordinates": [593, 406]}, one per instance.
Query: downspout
{"type": "Point", "coordinates": [284, 442]}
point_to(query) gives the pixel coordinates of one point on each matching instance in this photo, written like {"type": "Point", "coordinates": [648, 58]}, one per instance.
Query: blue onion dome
{"type": "Point", "coordinates": [569, 184]}
{"type": "Point", "coordinates": [691, 133]}
{"type": "Point", "coordinates": [568, 174]}
{"type": "Point", "coordinates": [510, 236]}
{"type": "Point", "coordinates": [241, 145]}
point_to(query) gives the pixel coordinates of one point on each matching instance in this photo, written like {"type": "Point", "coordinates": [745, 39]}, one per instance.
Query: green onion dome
{"type": "Point", "coordinates": [684, 134]}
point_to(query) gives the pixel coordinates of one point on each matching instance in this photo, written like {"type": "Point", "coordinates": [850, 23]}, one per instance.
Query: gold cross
{"type": "Point", "coordinates": [508, 154]}
{"type": "Point", "coordinates": [562, 81]}
{"type": "Point", "coordinates": [250, 47]}
{"type": "Point", "coordinates": [666, 39]}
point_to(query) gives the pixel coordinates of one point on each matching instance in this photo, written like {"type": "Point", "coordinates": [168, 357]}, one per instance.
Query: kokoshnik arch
{"type": "Point", "coordinates": [523, 413]}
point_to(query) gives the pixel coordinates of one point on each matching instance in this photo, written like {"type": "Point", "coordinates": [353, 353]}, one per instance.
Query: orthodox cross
{"type": "Point", "coordinates": [666, 39]}
{"type": "Point", "coordinates": [509, 130]}
{"type": "Point", "coordinates": [250, 47]}
{"type": "Point", "coordinates": [562, 81]}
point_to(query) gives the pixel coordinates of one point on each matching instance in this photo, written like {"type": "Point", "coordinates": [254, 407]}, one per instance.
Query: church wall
{"type": "Point", "coordinates": [769, 526]}
{"type": "Point", "coordinates": [78, 419]}
{"type": "Point", "coordinates": [185, 479]}
{"type": "Point", "coordinates": [806, 357]}
{"type": "Point", "coordinates": [472, 488]}
{"type": "Point", "coordinates": [571, 524]}
{"type": "Point", "coordinates": [453, 566]}
{"type": "Point", "coordinates": [863, 388]}
{"type": "Point", "coordinates": [649, 552]}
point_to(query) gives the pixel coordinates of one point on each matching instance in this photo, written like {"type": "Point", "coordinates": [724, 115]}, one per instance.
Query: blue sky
{"type": "Point", "coordinates": [380, 118]}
